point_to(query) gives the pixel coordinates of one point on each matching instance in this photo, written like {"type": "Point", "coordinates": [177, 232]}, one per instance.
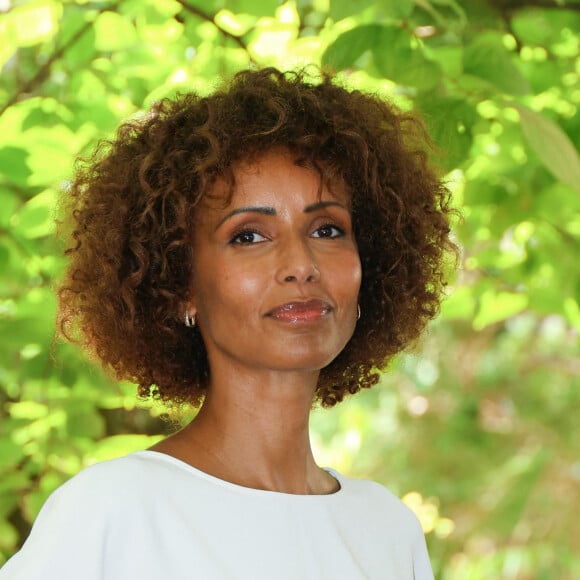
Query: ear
{"type": "Point", "coordinates": [187, 309]}
{"type": "Point", "coordinates": [188, 303]}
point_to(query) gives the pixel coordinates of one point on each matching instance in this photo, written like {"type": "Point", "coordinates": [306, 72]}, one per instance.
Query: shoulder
{"type": "Point", "coordinates": [380, 504]}
{"type": "Point", "coordinates": [381, 515]}
{"type": "Point", "coordinates": [99, 490]}
{"type": "Point", "coordinates": [114, 479]}
{"type": "Point", "coordinates": [94, 513]}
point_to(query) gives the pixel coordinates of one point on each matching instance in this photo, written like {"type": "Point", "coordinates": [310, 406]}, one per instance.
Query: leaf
{"type": "Point", "coordinates": [10, 453]}
{"type": "Point", "coordinates": [34, 22]}
{"type": "Point", "coordinates": [340, 9]}
{"type": "Point", "coordinates": [551, 145]}
{"type": "Point", "coordinates": [8, 44]}
{"type": "Point", "coordinates": [8, 535]}
{"type": "Point", "coordinates": [83, 420]}
{"type": "Point", "coordinates": [261, 8]}
{"type": "Point", "coordinates": [27, 410]}
{"type": "Point", "coordinates": [459, 305]}
{"type": "Point", "coordinates": [390, 47]}
{"type": "Point", "coordinates": [113, 32]}
{"type": "Point", "coordinates": [497, 306]}
{"type": "Point", "coordinates": [36, 219]}
{"type": "Point", "coordinates": [449, 122]}
{"type": "Point", "coordinates": [351, 45]}
{"type": "Point", "coordinates": [399, 9]}
{"type": "Point", "coordinates": [487, 58]}
{"type": "Point", "coordinates": [404, 64]}
{"type": "Point", "coordinates": [13, 161]}
{"type": "Point", "coordinates": [119, 445]}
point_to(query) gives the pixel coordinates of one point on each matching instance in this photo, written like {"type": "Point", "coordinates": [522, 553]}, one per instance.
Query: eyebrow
{"type": "Point", "coordinates": [322, 204]}
{"type": "Point", "coordinates": [265, 210]}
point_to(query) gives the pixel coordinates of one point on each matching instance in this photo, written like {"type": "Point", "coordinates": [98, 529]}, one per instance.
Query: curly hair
{"type": "Point", "coordinates": [131, 212]}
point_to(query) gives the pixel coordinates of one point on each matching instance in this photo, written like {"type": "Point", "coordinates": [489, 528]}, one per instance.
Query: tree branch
{"type": "Point", "coordinates": [208, 18]}
{"type": "Point", "coordinates": [44, 70]}
{"type": "Point", "coordinates": [513, 5]}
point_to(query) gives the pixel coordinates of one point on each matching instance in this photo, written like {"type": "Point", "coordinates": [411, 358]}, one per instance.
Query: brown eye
{"type": "Point", "coordinates": [247, 238]}
{"type": "Point", "coordinates": [328, 231]}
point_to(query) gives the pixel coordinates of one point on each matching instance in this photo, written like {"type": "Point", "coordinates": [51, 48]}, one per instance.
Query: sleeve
{"type": "Point", "coordinates": [421, 565]}
{"type": "Point", "coordinates": [68, 538]}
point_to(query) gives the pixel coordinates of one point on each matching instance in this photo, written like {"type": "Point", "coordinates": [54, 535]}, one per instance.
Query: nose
{"type": "Point", "coordinates": [298, 264]}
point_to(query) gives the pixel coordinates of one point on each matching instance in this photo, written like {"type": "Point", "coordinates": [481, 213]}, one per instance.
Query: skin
{"type": "Point", "coordinates": [276, 282]}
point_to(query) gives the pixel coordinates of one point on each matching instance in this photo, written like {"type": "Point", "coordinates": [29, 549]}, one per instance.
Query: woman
{"type": "Point", "coordinates": [254, 252]}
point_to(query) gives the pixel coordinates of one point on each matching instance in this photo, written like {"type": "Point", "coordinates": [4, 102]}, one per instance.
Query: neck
{"type": "Point", "coordinates": [253, 431]}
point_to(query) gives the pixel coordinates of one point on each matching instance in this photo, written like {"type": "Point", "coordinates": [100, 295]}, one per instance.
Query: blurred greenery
{"type": "Point", "coordinates": [478, 428]}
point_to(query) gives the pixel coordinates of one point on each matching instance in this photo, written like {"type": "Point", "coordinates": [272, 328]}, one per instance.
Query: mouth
{"type": "Point", "coordinates": [300, 311]}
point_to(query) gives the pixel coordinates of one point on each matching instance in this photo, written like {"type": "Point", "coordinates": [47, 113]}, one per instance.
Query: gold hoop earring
{"type": "Point", "coordinates": [358, 311]}
{"type": "Point", "coordinates": [190, 321]}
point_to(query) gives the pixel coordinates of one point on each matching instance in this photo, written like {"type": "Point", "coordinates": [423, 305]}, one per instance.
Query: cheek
{"type": "Point", "coordinates": [351, 274]}
{"type": "Point", "coordinates": [240, 285]}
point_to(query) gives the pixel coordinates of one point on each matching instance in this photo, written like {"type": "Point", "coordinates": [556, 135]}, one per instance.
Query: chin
{"type": "Point", "coordinates": [307, 359]}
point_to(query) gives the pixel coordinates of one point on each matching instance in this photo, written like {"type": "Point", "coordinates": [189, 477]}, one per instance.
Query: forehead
{"type": "Point", "coordinates": [277, 177]}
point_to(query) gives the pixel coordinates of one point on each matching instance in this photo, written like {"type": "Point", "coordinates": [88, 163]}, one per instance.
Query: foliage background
{"type": "Point", "coordinates": [478, 429]}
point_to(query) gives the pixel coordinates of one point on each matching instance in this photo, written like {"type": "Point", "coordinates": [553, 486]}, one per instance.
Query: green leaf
{"type": "Point", "coordinates": [449, 58]}
{"type": "Point", "coordinates": [8, 43]}
{"type": "Point", "coordinates": [551, 145]}
{"type": "Point", "coordinates": [8, 535]}
{"type": "Point", "coordinates": [119, 445]}
{"type": "Point", "coordinates": [391, 50]}
{"type": "Point", "coordinates": [399, 9]}
{"type": "Point", "coordinates": [113, 32]}
{"type": "Point", "coordinates": [398, 60]}
{"type": "Point", "coordinates": [459, 305]}
{"type": "Point", "coordinates": [13, 161]}
{"type": "Point", "coordinates": [340, 9]}
{"type": "Point", "coordinates": [36, 219]}
{"type": "Point", "coordinates": [34, 22]}
{"type": "Point", "coordinates": [449, 122]}
{"type": "Point", "coordinates": [261, 8]}
{"type": "Point", "coordinates": [27, 410]}
{"type": "Point", "coordinates": [83, 420]}
{"type": "Point", "coordinates": [10, 453]}
{"type": "Point", "coordinates": [417, 71]}
{"type": "Point", "coordinates": [351, 45]}
{"type": "Point", "coordinates": [487, 58]}
{"type": "Point", "coordinates": [497, 306]}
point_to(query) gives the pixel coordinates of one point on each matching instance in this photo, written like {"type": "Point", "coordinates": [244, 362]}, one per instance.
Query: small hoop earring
{"type": "Point", "coordinates": [190, 321]}
{"type": "Point", "coordinates": [358, 311]}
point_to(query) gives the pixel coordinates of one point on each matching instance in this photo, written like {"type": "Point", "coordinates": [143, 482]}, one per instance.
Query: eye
{"type": "Point", "coordinates": [328, 231]}
{"type": "Point", "coordinates": [247, 238]}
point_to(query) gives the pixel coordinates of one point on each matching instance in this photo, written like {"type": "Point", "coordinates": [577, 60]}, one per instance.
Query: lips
{"type": "Point", "coordinates": [301, 311]}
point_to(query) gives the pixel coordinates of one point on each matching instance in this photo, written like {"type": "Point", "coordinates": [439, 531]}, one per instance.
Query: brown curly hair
{"type": "Point", "coordinates": [132, 204]}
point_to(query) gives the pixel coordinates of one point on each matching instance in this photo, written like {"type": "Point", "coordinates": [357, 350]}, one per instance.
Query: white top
{"type": "Point", "coordinates": [149, 516]}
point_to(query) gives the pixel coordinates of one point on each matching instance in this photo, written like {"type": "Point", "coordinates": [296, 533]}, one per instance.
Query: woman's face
{"type": "Point", "coordinates": [277, 271]}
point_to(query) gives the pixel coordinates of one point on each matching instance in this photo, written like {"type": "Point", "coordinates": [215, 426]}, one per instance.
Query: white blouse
{"type": "Point", "coordinates": [149, 516]}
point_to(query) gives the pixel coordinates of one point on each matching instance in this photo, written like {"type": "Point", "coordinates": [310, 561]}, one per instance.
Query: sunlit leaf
{"type": "Point", "coordinates": [34, 22]}
{"type": "Point", "coordinates": [27, 410]}
{"type": "Point", "coordinates": [497, 306]}
{"type": "Point", "coordinates": [118, 445]}
{"type": "Point", "coordinates": [113, 31]}
{"type": "Point", "coordinates": [551, 145]}
{"type": "Point", "coordinates": [15, 168]}
{"type": "Point", "coordinates": [262, 8]}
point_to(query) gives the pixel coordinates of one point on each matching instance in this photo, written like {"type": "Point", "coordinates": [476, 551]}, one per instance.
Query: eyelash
{"type": "Point", "coordinates": [340, 230]}
{"type": "Point", "coordinates": [235, 239]}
